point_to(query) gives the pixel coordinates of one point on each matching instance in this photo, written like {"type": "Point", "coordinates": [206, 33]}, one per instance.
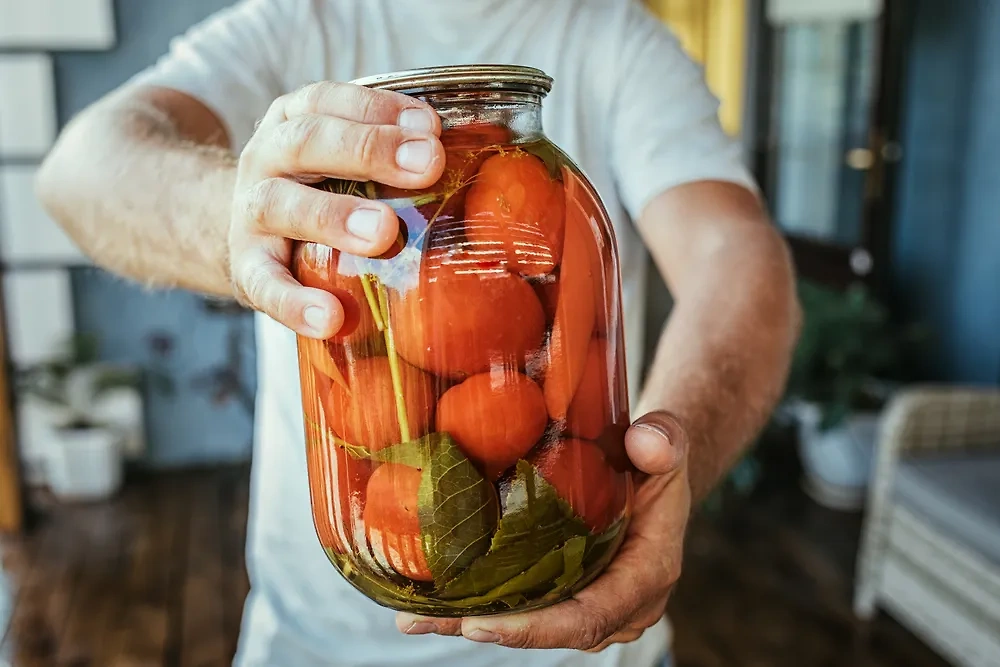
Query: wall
{"type": "Point", "coordinates": [144, 32]}
{"type": "Point", "coordinates": [202, 418]}
{"type": "Point", "coordinates": [947, 245]}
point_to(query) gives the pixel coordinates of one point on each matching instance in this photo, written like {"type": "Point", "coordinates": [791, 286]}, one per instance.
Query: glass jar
{"type": "Point", "coordinates": [465, 429]}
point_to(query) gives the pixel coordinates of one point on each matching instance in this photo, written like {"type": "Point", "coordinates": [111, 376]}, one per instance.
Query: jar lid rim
{"type": "Point", "coordinates": [517, 78]}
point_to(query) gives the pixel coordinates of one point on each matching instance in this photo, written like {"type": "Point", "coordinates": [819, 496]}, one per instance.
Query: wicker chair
{"type": "Point", "coordinates": [930, 551]}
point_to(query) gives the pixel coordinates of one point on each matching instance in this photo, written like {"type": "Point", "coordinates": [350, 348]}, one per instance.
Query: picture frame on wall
{"type": "Point", "coordinates": [54, 25]}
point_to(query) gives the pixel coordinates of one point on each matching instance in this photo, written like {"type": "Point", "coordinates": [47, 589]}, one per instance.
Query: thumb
{"type": "Point", "coordinates": [657, 444]}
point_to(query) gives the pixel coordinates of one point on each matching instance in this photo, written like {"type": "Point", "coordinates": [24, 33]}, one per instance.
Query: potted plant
{"type": "Point", "coordinates": [842, 374]}
{"type": "Point", "coordinates": [83, 452]}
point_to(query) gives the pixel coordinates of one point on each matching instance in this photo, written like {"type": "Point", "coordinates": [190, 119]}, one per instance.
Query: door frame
{"type": "Point", "coordinates": [829, 263]}
{"type": "Point", "coordinates": [11, 489]}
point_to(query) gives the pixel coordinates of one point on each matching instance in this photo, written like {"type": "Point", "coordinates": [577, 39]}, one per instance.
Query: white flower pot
{"type": "Point", "coordinates": [837, 462]}
{"type": "Point", "coordinates": [85, 464]}
{"type": "Point", "coordinates": [36, 420]}
{"type": "Point", "coordinates": [122, 410]}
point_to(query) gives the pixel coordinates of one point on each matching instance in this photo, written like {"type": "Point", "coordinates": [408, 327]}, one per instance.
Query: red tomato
{"type": "Point", "coordinates": [495, 418]}
{"type": "Point", "coordinates": [338, 485]}
{"type": "Point", "coordinates": [573, 326]}
{"type": "Point", "coordinates": [582, 203]}
{"type": "Point", "coordinates": [548, 294]}
{"type": "Point", "coordinates": [476, 137]}
{"type": "Point", "coordinates": [515, 204]}
{"type": "Point", "coordinates": [580, 474]}
{"type": "Point", "coordinates": [364, 413]}
{"type": "Point", "coordinates": [317, 266]}
{"type": "Point", "coordinates": [589, 412]}
{"type": "Point", "coordinates": [338, 482]}
{"type": "Point", "coordinates": [458, 324]}
{"type": "Point", "coordinates": [392, 523]}
{"type": "Point", "coordinates": [466, 148]}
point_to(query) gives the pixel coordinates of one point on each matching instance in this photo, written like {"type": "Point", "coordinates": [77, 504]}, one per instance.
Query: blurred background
{"type": "Point", "coordinates": [863, 528]}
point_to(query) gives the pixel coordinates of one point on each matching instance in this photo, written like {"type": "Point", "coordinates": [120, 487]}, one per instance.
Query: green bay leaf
{"type": "Point", "coordinates": [458, 509]}
{"type": "Point", "coordinates": [416, 453]}
{"type": "Point", "coordinates": [549, 567]}
{"type": "Point", "coordinates": [536, 521]}
{"type": "Point", "coordinates": [601, 548]}
{"type": "Point", "coordinates": [564, 563]}
{"type": "Point", "coordinates": [573, 553]}
{"type": "Point", "coordinates": [514, 601]}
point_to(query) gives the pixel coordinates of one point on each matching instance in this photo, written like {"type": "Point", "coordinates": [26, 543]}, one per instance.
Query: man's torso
{"type": "Point", "coordinates": [297, 596]}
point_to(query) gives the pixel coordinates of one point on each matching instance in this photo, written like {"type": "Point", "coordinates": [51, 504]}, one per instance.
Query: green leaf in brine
{"type": "Point", "coordinates": [536, 521]}
{"type": "Point", "coordinates": [515, 600]}
{"type": "Point", "coordinates": [415, 453]}
{"type": "Point", "coordinates": [573, 552]}
{"type": "Point", "coordinates": [561, 567]}
{"type": "Point", "coordinates": [457, 508]}
{"type": "Point", "coordinates": [539, 575]}
{"type": "Point", "coordinates": [600, 546]}
{"type": "Point", "coordinates": [564, 563]}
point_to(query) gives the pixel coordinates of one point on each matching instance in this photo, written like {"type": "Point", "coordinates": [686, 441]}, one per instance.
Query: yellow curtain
{"type": "Point", "coordinates": [714, 34]}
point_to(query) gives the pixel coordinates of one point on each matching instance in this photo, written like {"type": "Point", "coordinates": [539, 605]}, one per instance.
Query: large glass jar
{"type": "Point", "coordinates": [465, 428]}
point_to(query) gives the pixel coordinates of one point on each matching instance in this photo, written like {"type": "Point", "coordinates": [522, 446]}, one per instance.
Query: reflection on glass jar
{"type": "Point", "coordinates": [465, 428]}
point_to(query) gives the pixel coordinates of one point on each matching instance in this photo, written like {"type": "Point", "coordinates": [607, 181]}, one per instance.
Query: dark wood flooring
{"type": "Point", "coordinates": [154, 578]}
{"type": "Point", "coordinates": [157, 578]}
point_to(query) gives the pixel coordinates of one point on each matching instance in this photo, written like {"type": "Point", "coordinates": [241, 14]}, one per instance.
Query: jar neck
{"type": "Point", "coordinates": [519, 113]}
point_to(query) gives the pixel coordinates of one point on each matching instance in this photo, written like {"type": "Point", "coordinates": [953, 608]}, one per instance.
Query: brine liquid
{"type": "Point", "coordinates": [465, 428]}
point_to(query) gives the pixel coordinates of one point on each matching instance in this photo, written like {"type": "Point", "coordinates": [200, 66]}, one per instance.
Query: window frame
{"type": "Point", "coordinates": [827, 262]}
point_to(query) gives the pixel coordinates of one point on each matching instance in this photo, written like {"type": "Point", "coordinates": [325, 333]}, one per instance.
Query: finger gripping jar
{"type": "Point", "coordinates": [464, 429]}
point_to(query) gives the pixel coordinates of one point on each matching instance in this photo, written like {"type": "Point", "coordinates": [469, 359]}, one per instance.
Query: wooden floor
{"type": "Point", "coordinates": [157, 578]}
{"type": "Point", "coordinates": [770, 585]}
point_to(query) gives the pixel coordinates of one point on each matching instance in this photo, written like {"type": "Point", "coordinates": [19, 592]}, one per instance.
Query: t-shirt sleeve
{"type": "Point", "coordinates": [665, 129]}
{"type": "Point", "coordinates": [235, 62]}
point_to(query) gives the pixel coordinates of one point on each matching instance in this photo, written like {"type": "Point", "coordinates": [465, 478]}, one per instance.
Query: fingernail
{"type": "Point", "coordinates": [656, 429]}
{"type": "Point", "coordinates": [316, 317]}
{"type": "Point", "coordinates": [414, 156]}
{"type": "Point", "coordinates": [484, 636]}
{"type": "Point", "coordinates": [418, 120]}
{"type": "Point", "coordinates": [421, 628]}
{"type": "Point", "coordinates": [364, 223]}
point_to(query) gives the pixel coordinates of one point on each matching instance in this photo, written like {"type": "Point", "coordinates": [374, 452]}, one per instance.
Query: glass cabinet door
{"type": "Point", "coordinates": [823, 103]}
{"type": "Point", "coordinates": [825, 92]}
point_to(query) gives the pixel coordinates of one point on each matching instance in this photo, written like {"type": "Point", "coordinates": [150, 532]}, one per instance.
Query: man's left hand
{"type": "Point", "coordinates": [631, 595]}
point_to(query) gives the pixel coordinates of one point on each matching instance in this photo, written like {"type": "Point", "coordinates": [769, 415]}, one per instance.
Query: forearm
{"type": "Point", "coordinates": [722, 360]}
{"type": "Point", "coordinates": [142, 197]}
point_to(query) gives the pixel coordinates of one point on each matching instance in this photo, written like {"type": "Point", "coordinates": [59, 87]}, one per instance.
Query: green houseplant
{"type": "Point", "coordinates": [68, 417]}
{"type": "Point", "coordinates": [72, 381]}
{"type": "Point", "coordinates": [847, 351]}
{"type": "Point", "coordinates": [848, 359]}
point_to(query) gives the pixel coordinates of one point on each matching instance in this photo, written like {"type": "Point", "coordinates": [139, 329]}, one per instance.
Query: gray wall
{"type": "Point", "coordinates": [947, 245]}
{"type": "Point", "coordinates": [208, 357]}
{"type": "Point", "coordinates": [145, 28]}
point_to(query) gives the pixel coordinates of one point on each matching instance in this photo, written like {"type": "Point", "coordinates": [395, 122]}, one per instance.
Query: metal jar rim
{"type": "Point", "coordinates": [454, 78]}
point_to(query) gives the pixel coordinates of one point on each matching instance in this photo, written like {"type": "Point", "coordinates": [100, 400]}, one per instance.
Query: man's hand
{"type": "Point", "coordinates": [631, 595]}
{"type": "Point", "coordinates": [323, 130]}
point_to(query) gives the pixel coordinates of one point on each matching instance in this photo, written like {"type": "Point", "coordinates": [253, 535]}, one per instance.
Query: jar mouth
{"type": "Point", "coordinates": [462, 78]}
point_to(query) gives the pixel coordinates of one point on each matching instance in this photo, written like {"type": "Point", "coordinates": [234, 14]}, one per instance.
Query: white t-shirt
{"type": "Point", "coordinates": [627, 105]}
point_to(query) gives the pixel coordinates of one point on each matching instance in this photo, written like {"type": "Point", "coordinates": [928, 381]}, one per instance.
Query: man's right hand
{"type": "Point", "coordinates": [324, 130]}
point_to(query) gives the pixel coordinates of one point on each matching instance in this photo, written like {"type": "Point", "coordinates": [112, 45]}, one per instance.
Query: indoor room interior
{"type": "Point", "coordinates": [862, 527]}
